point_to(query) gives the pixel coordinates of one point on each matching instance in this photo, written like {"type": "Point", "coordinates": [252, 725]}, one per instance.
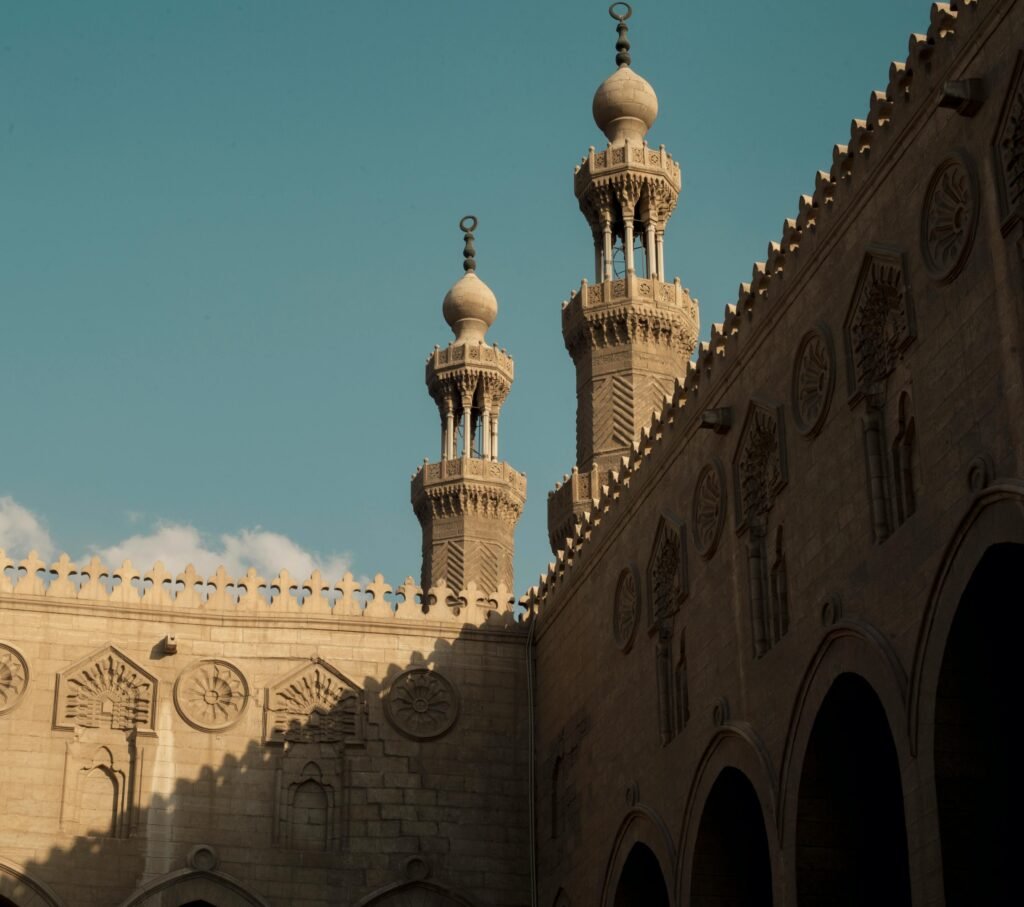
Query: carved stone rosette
{"type": "Point", "coordinates": [949, 218]}
{"type": "Point", "coordinates": [709, 509]}
{"type": "Point", "coordinates": [626, 608]}
{"type": "Point", "coordinates": [814, 378]}
{"type": "Point", "coordinates": [211, 695]}
{"type": "Point", "coordinates": [13, 677]}
{"type": "Point", "coordinates": [421, 704]}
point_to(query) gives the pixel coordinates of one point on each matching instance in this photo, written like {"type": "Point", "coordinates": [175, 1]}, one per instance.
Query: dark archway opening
{"type": "Point", "coordinates": [198, 904]}
{"type": "Point", "coordinates": [6, 902]}
{"type": "Point", "coordinates": [731, 865]}
{"type": "Point", "coordinates": [851, 837]}
{"type": "Point", "coordinates": [641, 883]}
{"type": "Point", "coordinates": [974, 780]}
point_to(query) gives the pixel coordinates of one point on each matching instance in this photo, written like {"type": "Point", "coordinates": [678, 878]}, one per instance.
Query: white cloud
{"type": "Point", "coordinates": [21, 531]}
{"type": "Point", "coordinates": [177, 545]}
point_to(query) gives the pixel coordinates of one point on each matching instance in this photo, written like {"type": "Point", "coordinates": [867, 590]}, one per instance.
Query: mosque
{"type": "Point", "coordinates": [768, 664]}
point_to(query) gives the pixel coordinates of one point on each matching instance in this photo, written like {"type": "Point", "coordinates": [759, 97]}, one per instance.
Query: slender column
{"type": "Point", "coordinates": [494, 436]}
{"type": "Point", "coordinates": [449, 431]}
{"type": "Point", "coordinates": [652, 253]}
{"type": "Point", "coordinates": [598, 260]}
{"type": "Point", "coordinates": [485, 427]}
{"type": "Point", "coordinates": [467, 425]}
{"type": "Point", "coordinates": [627, 239]}
{"type": "Point", "coordinates": [660, 242]}
{"type": "Point", "coordinates": [607, 247]}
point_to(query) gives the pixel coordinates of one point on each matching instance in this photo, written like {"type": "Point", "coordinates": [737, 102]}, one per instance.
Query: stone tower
{"type": "Point", "coordinates": [631, 332]}
{"type": "Point", "coordinates": [468, 503]}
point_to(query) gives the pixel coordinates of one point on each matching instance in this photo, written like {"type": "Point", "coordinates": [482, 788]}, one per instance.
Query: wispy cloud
{"type": "Point", "coordinates": [21, 531]}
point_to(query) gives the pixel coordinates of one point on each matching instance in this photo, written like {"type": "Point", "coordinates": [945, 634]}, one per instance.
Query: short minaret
{"type": "Point", "coordinates": [630, 332]}
{"type": "Point", "coordinates": [468, 502]}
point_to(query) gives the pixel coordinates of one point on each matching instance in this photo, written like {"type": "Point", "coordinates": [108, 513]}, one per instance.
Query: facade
{"type": "Point", "coordinates": [771, 663]}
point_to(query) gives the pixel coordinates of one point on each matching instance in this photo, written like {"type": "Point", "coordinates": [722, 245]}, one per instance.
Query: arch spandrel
{"type": "Point", "coordinates": [415, 894]}
{"type": "Point", "coordinates": [18, 886]}
{"type": "Point", "coordinates": [642, 825]}
{"type": "Point", "coordinates": [188, 885]}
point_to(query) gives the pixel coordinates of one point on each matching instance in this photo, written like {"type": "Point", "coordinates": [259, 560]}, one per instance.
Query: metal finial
{"type": "Point", "coordinates": [467, 225]}
{"type": "Point", "coordinates": [622, 58]}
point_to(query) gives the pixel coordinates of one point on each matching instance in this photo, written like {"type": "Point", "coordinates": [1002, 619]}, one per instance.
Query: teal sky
{"type": "Point", "coordinates": [226, 229]}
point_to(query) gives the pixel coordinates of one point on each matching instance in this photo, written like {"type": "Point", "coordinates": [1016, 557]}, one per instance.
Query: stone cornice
{"type": "Point", "coordinates": [458, 487]}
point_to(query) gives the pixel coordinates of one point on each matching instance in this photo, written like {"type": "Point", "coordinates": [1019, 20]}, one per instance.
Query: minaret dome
{"type": "Point", "coordinates": [625, 105]}
{"type": "Point", "coordinates": [470, 306]}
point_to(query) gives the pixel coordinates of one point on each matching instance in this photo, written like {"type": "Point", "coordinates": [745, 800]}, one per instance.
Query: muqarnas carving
{"type": "Point", "coordinates": [949, 218]}
{"type": "Point", "coordinates": [211, 695]}
{"type": "Point", "coordinates": [108, 702]}
{"type": "Point", "coordinates": [759, 464]}
{"type": "Point", "coordinates": [880, 322]}
{"type": "Point", "coordinates": [708, 515]}
{"type": "Point", "coordinates": [1008, 146]}
{"type": "Point", "coordinates": [13, 677]}
{"type": "Point", "coordinates": [814, 377]}
{"type": "Point", "coordinates": [626, 608]}
{"type": "Point", "coordinates": [315, 704]}
{"type": "Point", "coordinates": [421, 704]}
{"type": "Point", "coordinates": [666, 571]}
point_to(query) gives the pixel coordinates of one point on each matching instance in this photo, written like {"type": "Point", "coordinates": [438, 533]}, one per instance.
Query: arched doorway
{"type": "Point", "coordinates": [414, 894]}
{"type": "Point", "coordinates": [641, 883]}
{"type": "Point", "coordinates": [731, 864]}
{"type": "Point", "coordinates": [851, 838]}
{"type": "Point", "coordinates": [975, 783]}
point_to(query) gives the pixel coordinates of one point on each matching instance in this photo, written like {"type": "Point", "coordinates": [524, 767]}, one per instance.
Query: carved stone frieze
{"type": "Point", "coordinates": [1008, 146]}
{"type": "Point", "coordinates": [315, 704]}
{"type": "Point", "coordinates": [814, 378]}
{"type": "Point", "coordinates": [106, 690]}
{"type": "Point", "coordinates": [421, 704]}
{"type": "Point", "coordinates": [880, 321]}
{"type": "Point", "coordinates": [760, 463]}
{"type": "Point", "coordinates": [211, 695]}
{"type": "Point", "coordinates": [626, 608]}
{"type": "Point", "coordinates": [666, 571]}
{"type": "Point", "coordinates": [949, 217]}
{"type": "Point", "coordinates": [708, 515]}
{"type": "Point", "coordinates": [13, 677]}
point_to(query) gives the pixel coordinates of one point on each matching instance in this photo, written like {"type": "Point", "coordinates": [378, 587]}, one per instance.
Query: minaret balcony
{"type": "Point", "coordinates": [628, 157]}
{"type": "Point", "coordinates": [468, 484]}
{"type": "Point", "coordinates": [469, 358]}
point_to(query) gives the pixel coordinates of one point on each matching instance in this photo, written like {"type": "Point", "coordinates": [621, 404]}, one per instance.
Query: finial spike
{"type": "Point", "coordinates": [622, 57]}
{"type": "Point", "coordinates": [467, 225]}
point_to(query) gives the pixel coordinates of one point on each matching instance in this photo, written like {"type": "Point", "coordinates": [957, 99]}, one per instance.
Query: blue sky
{"type": "Point", "coordinates": [227, 228]}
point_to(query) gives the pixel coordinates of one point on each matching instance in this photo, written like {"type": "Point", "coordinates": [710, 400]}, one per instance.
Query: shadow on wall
{"type": "Point", "coordinates": [333, 806]}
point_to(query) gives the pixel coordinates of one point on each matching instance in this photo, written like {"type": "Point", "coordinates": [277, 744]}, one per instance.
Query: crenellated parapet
{"type": "Point", "coordinates": [250, 597]}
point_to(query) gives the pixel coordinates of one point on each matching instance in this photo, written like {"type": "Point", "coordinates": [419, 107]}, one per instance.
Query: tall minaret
{"type": "Point", "coordinates": [630, 333]}
{"type": "Point", "coordinates": [468, 503]}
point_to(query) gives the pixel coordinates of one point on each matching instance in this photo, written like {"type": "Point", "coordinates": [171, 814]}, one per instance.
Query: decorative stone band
{"type": "Point", "coordinates": [630, 309]}
{"type": "Point", "coordinates": [570, 499]}
{"type": "Point", "coordinates": [627, 157]}
{"type": "Point", "coordinates": [473, 355]}
{"type": "Point", "coordinates": [460, 486]}
{"type": "Point", "coordinates": [250, 596]}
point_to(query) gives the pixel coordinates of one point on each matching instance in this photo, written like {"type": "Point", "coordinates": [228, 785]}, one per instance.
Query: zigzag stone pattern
{"type": "Point", "coordinates": [889, 112]}
{"type": "Point", "coordinates": [252, 595]}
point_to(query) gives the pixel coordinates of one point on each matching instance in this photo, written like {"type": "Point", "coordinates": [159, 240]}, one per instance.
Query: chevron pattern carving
{"type": "Point", "coordinates": [454, 572]}
{"type": "Point", "coordinates": [486, 573]}
{"type": "Point", "coordinates": [614, 413]}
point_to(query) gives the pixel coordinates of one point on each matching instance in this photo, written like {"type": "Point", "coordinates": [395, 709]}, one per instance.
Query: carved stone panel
{"type": "Point", "coordinates": [421, 704]}
{"type": "Point", "coordinates": [667, 582]}
{"type": "Point", "coordinates": [949, 218]}
{"type": "Point", "coordinates": [626, 608]}
{"type": "Point", "coordinates": [708, 509]}
{"type": "Point", "coordinates": [1008, 147]}
{"type": "Point", "coordinates": [814, 378]}
{"type": "Point", "coordinates": [13, 677]}
{"type": "Point", "coordinates": [211, 695]}
{"type": "Point", "coordinates": [106, 690]}
{"type": "Point", "coordinates": [880, 321]}
{"type": "Point", "coordinates": [315, 704]}
{"type": "Point", "coordinates": [759, 465]}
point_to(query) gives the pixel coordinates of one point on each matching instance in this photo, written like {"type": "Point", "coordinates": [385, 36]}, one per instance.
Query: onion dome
{"type": "Point", "coordinates": [625, 105]}
{"type": "Point", "coordinates": [470, 306]}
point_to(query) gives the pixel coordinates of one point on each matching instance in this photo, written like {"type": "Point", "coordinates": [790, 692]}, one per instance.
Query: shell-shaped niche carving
{"type": "Point", "coordinates": [315, 704]}
{"type": "Point", "coordinates": [1009, 146]}
{"type": "Point", "coordinates": [13, 677]}
{"type": "Point", "coordinates": [211, 695]}
{"type": "Point", "coordinates": [421, 704]}
{"type": "Point", "coordinates": [667, 580]}
{"type": "Point", "coordinates": [949, 218]}
{"type": "Point", "coordinates": [814, 377]}
{"type": "Point", "coordinates": [626, 608]}
{"type": "Point", "coordinates": [708, 509]}
{"type": "Point", "coordinates": [106, 690]}
{"type": "Point", "coordinates": [760, 463]}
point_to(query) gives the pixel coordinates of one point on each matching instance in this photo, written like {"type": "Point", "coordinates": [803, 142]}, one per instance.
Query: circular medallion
{"type": "Point", "coordinates": [814, 376]}
{"type": "Point", "coordinates": [709, 509]}
{"type": "Point", "coordinates": [626, 611]}
{"type": "Point", "coordinates": [13, 677]}
{"type": "Point", "coordinates": [421, 704]}
{"type": "Point", "coordinates": [949, 218]}
{"type": "Point", "coordinates": [211, 695]}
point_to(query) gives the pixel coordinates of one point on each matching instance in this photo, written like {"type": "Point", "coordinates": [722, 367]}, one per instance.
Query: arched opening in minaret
{"type": "Point", "coordinates": [976, 785]}
{"type": "Point", "coordinates": [851, 838]}
{"type": "Point", "coordinates": [642, 881]}
{"type": "Point", "coordinates": [731, 866]}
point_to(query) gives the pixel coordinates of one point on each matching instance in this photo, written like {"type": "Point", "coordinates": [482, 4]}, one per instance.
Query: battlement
{"type": "Point", "coordinates": [250, 597]}
{"type": "Point", "coordinates": [836, 191]}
